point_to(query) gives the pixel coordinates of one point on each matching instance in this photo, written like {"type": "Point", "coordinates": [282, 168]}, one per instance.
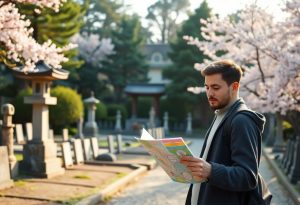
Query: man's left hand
{"type": "Point", "coordinates": [198, 166]}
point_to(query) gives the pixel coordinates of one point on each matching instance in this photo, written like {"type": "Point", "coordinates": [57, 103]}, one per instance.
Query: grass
{"type": "Point", "coordinates": [19, 156]}
{"type": "Point", "coordinates": [20, 183]}
{"type": "Point", "coordinates": [82, 176]}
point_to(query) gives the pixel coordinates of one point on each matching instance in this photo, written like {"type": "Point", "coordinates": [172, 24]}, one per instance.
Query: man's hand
{"type": "Point", "coordinates": [200, 168]}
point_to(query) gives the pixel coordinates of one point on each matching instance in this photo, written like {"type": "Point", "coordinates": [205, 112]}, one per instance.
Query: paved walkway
{"type": "Point", "coordinates": [156, 188]}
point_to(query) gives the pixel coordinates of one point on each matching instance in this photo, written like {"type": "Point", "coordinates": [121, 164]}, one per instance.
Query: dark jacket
{"type": "Point", "coordinates": [235, 155]}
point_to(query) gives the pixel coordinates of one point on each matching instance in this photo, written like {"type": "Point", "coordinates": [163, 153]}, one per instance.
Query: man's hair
{"type": "Point", "coordinates": [230, 71]}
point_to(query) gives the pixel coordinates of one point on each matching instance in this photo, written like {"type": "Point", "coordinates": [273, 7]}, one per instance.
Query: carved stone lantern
{"type": "Point", "coordinates": [40, 153]}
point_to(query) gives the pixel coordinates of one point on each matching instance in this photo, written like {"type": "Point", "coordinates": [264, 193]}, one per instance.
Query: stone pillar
{"type": "Point", "coordinates": [166, 123]}
{"type": "Point", "coordinates": [119, 144]}
{"type": "Point", "coordinates": [189, 129]}
{"type": "Point", "coordinates": [294, 175]}
{"type": "Point", "coordinates": [118, 126]}
{"type": "Point", "coordinates": [156, 105]}
{"type": "Point", "coordinates": [39, 154]}
{"type": "Point", "coordinates": [269, 133]}
{"type": "Point", "coordinates": [5, 179]}
{"type": "Point", "coordinates": [80, 128]}
{"type": "Point", "coordinates": [134, 106]}
{"type": "Point", "coordinates": [151, 118]}
{"type": "Point", "coordinates": [91, 128]}
{"type": "Point", "coordinates": [8, 111]}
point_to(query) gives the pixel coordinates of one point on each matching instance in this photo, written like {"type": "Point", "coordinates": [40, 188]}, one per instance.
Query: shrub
{"type": "Point", "coordinates": [69, 107]}
{"type": "Point", "coordinates": [23, 112]}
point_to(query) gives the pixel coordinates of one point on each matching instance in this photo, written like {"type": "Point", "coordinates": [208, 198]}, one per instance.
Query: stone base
{"type": "Point", "coordinates": [14, 169]}
{"type": "Point", "coordinates": [6, 184]}
{"type": "Point", "coordinates": [40, 160]}
{"type": "Point", "coordinates": [89, 131]}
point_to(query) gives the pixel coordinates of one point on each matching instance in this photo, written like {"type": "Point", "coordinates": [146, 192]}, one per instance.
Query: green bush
{"type": "Point", "coordinates": [23, 112]}
{"type": "Point", "coordinates": [176, 109]}
{"type": "Point", "coordinates": [69, 107]}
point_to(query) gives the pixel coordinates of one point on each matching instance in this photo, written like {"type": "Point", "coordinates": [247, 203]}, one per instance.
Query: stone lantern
{"type": "Point", "coordinates": [90, 127]}
{"type": "Point", "coordinates": [39, 154]}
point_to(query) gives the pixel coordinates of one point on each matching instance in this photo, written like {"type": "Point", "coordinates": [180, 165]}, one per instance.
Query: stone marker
{"type": "Point", "coordinates": [166, 122]}
{"type": "Point", "coordinates": [151, 123]}
{"type": "Point", "coordinates": [65, 135]}
{"type": "Point", "coordinates": [5, 180]}
{"type": "Point", "coordinates": [294, 175]}
{"type": "Point", "coordinates": [119, 144]}
{"type": "Point", "coordinates": [78, 153]}
{"type": "Point", "coordinates": [19, 134]}
{"type": "Point", "coordinates": [286, 154]}
{"type": "Point", "coordinates": [118, 126]}
{"type": "Point", "coordinates": [290, 159]}
{"type": "Point", "coordinates": [111, 145]}
{"type": "Point", "coordinates": [189, 130]}
{"type": "Point", "coordinates": [8, 111]}
{"type": "Point", "coordinates": [80, 128]}
{"type": "Point", "coordinates": [87, 149]}
{"type": "Point", "coordinates": [67, 154]}
{"type": "Point", "coordinates": [29, 131]}
{"type": "Point", "coordinates": [90, 127]}
{"type": "Point", "coordinates": [95, 147]}
{"type": "Point", "coordinates": [51, 134]}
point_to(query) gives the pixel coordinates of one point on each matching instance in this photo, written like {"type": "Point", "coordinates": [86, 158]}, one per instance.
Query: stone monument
{"type": "Point", "coordinates": [189, 129]}
{"type": "Point", "coordinates": [39, 154]}
{"type": "Point", "coordinates": [90, 127]}
{"type": "Point", "coordinates": [8, 111]}
{"type": "Point", "coordinates": [166, 123]}
{"type": "Point", "coordinates": [151, 123]}
{"type": "Point", "coordinates": [5, 180]}
{"type": "Point", "coordinates": [118, 126]}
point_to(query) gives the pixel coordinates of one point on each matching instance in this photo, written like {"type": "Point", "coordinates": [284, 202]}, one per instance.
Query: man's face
{"type": "Point", "coordinates": [219, 94]}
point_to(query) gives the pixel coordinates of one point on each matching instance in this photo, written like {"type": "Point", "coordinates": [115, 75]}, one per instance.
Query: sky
{"type": "Point", "coordinates": [220, 7]}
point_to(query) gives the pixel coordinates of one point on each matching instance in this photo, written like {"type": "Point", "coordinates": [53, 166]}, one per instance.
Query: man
{"type": "Point", "coordinates": [231, 152]}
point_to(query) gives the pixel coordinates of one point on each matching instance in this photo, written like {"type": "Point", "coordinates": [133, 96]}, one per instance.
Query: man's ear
{"type": "Point", "coordinates": [235, 86]}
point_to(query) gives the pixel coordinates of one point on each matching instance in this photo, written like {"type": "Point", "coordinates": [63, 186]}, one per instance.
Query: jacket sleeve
{"type": "Point", "coordinates": [243, 172]}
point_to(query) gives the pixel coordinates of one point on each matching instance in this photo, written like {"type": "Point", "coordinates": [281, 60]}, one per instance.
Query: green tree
{"type": "Point", "coordinates": [163, 15]}
{"type": "Point", "coordinates": [128, 64]}
{"type": "Point", "coordinates": [184, 57]}
{"type": "Point", "coordinates": [102, 16]}
{"type": "Point", "coordinates": [57, 26]}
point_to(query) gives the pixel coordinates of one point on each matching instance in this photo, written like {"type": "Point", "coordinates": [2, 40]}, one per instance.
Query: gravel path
{"type": "Point", "coordinates": [156, 188]}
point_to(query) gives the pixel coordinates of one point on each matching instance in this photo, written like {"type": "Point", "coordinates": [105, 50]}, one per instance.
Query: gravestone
{"type": "Point", "coordinates": [78, 152]}
{"type": "Point", "coordinates": [80, 128]}
{"type": "Point", "coordinates": [118, 126]}
{"type": "Point", "coordinates": [189, 130]}
{"type": "Point", "coordinates": [90, 127]}
{"type": "Point", "coordinates": [294, 174]}
{"type": "Point", "coordinates": [95, 146]}
{"type": "Point", "coordinates": [5, 180]}
{"type": "Point", "coordinates": [29, 131]}
{"type": "Point", "coordinates": [19, 134]}
{"type": "Point", "coordinates": [166, 122]}
{"type": "Point", "coordinates": [87, 149]}
{"type": "Point", "coordinates": [111, 145]}
{"type": "Point", "coordinates": [119, 144]}
{"type": "Point", "coordinates": [290, 159]}
{"type": "Point", "coordinates": [51, 135]}
{"type": "Point", "coordinates": [67, 154]}
{"type": "Point", "coordinates": [151, 123]}
{"type": "Point", "coordinates": [286, 154]}
{"type": "Point", "coordinates": [65, 135]}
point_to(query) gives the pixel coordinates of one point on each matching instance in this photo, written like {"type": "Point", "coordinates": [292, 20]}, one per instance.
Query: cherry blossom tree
{"type": "Point", "coordinates": [93, 49]}
{"type": "Point", "coordinates": [267, 50]}
{"type": "Point", "coordinates": [16, 43]}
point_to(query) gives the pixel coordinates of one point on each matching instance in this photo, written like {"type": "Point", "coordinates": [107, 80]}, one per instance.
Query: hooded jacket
{"type": "Point", "coordinates": [234, 155]}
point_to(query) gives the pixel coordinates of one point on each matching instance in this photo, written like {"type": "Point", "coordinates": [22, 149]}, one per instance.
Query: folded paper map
{"type": "Point", "coordinates": [167, 152]}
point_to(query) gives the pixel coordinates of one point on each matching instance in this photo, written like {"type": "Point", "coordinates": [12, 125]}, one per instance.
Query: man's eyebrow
{"type": "Point", "coordinates": [212, 85]}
